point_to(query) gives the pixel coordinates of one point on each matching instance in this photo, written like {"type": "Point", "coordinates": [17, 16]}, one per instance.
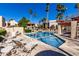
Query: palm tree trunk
{"type": "Point", "coordinates": [47, 19]}
{"type": "Point", "coordinates": [30, 17]}
{"type": "Point", "coordinates": [47, 15]}
{"type": "Point", "coordinates": [78, 11]}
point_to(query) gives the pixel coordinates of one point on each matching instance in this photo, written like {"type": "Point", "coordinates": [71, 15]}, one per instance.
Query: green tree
{"type": "Point", "coordinates": [23, 22]}
{"type": "Point", "coordinates": [59, 16]}
{"type": "Point", "coordinates": [47, 9]}
{"type": "Point", "coordinates": [60, 9]}
{"type": "Point", "coordinates": [30, 12]}
{"type": "Point", "coordinates": [10, 19]}
{"type": "Point", "coordinates": [44, 22]}
{"type": "Point", "coordinates": [77, 7]}
{"type": "Point", "coordinates": [35, 14]}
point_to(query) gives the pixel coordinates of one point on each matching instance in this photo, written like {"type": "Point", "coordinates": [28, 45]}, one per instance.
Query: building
{"type": "Point", "coordinates": [77, 25]}
{"type": "Point", "coordinates": [30, 25]}
{"type": "Point", "coordinates": [71, 28]}
{"type": "Point", "coordinates": [64, 25]}
{"type": "Point", "coordinates": [2, 22]}
{"type": "Point", "coordinates": [44, 23]}
{"type": "Point", "coordinates": [53, 23]}
{"type": "Point", "coordinates": [11, 23]}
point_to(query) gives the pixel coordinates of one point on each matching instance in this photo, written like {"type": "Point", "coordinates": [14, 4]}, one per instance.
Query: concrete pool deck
{"type": "Point", "coordinates": [70, 46]}
{"type": "Point", "coordinates": [42, 47]}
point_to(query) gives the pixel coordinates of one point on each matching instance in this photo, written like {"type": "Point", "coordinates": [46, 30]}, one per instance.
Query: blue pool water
{"type": "Point", "coordinates": [48, 38]}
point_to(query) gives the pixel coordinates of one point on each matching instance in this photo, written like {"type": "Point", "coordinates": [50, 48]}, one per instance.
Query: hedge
{"type": "Point", "coordinates": [27, 30]}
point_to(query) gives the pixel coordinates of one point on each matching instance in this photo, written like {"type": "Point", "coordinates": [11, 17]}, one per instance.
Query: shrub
{"type": "Point", "coordinates": [3, 32]}
{"type": "Point", "coordinates": [1, 39]}
{"type": "Point", "coordinates": [27, 30]}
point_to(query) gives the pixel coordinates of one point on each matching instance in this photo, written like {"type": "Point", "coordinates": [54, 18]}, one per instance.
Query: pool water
{"type": "Point", "coordinates": [48, 38]}
{"type": "Point", "coordinates": [40, 34]}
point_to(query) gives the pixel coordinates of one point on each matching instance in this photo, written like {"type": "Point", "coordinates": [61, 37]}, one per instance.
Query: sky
{"type": "Point", "coordinates": [18, 10]}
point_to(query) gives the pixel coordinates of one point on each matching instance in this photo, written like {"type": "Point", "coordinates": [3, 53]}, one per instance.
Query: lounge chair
{"type": "Point", "coordinates": [18, 43]}
{"type": "Point", "coordinates": [30, 46]}
{"type": "Point", "coordinates": [26, 47]}
{"type": "Point", "coordinates": [17, 39]}
{"type": "Point", "coordinates": [18, 33]}
{"type": "Point", "coordinates": [14, 34]}
{"type": "Point", "coordinates": [5, 51]}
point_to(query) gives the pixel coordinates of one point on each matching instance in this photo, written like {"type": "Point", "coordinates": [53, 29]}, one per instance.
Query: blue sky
{"type": "Point", "coordinates": [18, 10]}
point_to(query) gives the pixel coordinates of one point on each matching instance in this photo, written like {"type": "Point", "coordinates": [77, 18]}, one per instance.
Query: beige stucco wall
{"type": "Point", "coordinates": [12, 22]}
{"type": "Point", "coordinates": [59, 29]}
{"type": "Point", "coordinates": [15, 29]}
{"type": "Point", "coordinates": [0, 21]}
{"type": "Point", "coordinates": [73, 29]}
{"type": "Point", "coordinates": [53, 22]}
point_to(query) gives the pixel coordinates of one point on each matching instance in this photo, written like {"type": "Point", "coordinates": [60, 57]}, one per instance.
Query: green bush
{"type": "Point", "coordinates": [1, 39]}
{"type": "Point", "coordinates": [3, 32]}
{"type": "Point", "coordinates": [27, 30]}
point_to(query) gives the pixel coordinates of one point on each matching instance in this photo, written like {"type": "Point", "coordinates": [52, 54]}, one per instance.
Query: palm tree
{"type": "Point", "coordinates": [60, 9]}
{"type": "Point", "coordinates": [30, 12]}
{"type": "Point", "coordinates": [44, 23]}
{"type": "Point", "coordinates": [35, 14]}
{"type": "Point", "coordinates": [47, 9]}
{"type": "Point", "coordinates": [77, 7]}
{"type": "Point", "coordinates": [59, 16]}
{"type": "Point", "coordinates": [66, 18]}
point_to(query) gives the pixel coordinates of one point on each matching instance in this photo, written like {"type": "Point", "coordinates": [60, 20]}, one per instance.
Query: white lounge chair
{"type": "Point", "coordinates": [25, 47]}
{"type": "Point", "coordinates": [30, 46]}
{"type": "Point", "coordinates": [18, 43]}
{"type": "Point", "coordinates": [17, 39]}
{"type": "Point", "coordinates": [6, 50]}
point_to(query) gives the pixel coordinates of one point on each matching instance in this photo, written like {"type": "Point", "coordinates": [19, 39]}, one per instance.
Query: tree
{"type": "Point", "coordinates": [23, 22]}
{"type": "Point", "coordinates": [47, 9]}
{"type": "Point", "coordinates": [30, 12]}
{"type": "Point", "coordinates": [77, 6]}
{"type": "Point", "coordinates": [10, 19]}
{"type": "Point", "coordinates": [44, 23]}
{"type": "Point", "coordinates": [35, 14]}
{"type": "Point", "coordinates": [43, 20]}
{"type": "Point", "coordinates": [60, 9]}
{"type": "Point", "coordinates": [59, 16]}
{"type": "Point", "coordinates": [66, 18]}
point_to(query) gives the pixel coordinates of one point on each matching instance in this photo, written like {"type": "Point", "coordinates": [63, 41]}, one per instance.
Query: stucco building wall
{"type": "Point", "coordinates": [15, 29]}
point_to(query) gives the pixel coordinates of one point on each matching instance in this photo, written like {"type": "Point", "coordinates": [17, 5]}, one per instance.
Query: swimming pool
{"type": "Point", "coordinates": [48, 38]}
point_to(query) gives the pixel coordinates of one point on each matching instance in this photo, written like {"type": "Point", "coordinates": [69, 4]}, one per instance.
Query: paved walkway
{"type": "Point", "coordinates": [71, 45]}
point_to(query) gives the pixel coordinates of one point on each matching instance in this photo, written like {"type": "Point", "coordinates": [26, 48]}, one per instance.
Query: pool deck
{"type": "Point", "coordinates": [41, 46]}
{"type": "Point", "coordinates": [71, 45]}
